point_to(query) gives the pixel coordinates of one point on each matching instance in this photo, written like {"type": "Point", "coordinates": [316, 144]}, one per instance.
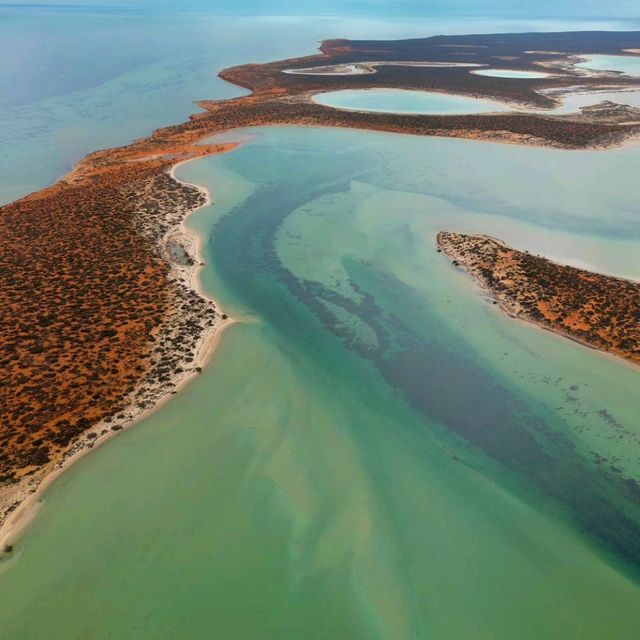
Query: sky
{"type": "Point", "coordinates": [524, 8]}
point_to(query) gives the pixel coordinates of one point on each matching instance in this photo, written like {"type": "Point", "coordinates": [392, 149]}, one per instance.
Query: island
{"type": "Point", "coordinates": [596, 310]}
{"type": "Point", "coordinates": [100, 314]}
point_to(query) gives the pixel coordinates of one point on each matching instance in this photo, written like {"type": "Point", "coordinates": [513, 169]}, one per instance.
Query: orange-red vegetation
{"type": "Point", "coordinates": [595, 309]}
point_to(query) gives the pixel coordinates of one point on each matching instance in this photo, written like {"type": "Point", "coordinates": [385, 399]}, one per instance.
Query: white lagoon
{"type": "Point", "coordinates": [401, 101]}
{"type": "Point", "coordinates": [629, 65]}
{"type": "Point", "coordinates": [512, 73]}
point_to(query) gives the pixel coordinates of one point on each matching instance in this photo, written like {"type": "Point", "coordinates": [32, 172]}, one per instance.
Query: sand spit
{"type": "Point", "coordinates": [593, 309]}
{"type": "Point", "coordinates": [182, 343]}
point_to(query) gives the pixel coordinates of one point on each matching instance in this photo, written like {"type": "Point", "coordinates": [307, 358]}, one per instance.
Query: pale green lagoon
{"type": "Point", "coordinates": [375, 451]}
{"type": "Point", "coordinates": [405, 101]}
{"type": "Point", "coordinates": [572, 102]}
{"type": "Point", "coordinates": [628, 65]}
{"type": "Point", "coordinates": [511, 73]}
{"type": "Point", "coordinates": [425, 102]}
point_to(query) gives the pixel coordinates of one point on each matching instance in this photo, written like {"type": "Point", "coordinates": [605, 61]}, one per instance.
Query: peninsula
{"type": "Point", "coordinates": [597, 310]}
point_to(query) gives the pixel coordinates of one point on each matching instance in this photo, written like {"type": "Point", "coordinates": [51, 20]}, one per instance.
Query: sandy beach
{"type": "Point", "coordinates": [513, 306]}
{"type": "Point", "coordinates": [28, 495]}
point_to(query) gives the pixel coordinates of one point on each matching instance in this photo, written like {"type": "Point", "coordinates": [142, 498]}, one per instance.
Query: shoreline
{"type": "Point", "coordinates": [508, 307]}
{"type": "Point", "coordinates": [502, 106]}
{"type": "Point", "coordinates": [516, 106]}
{"type": "Point", "coordinates": [628, 141]}
{"type": "Point", "coordinates": [369, 67]}
{"type": "Point", "coordinates": [478, 288]}
{"type": "Point", "coordinates": [152, 202]}
{"type": "Point", "coordinates": [30, 499]}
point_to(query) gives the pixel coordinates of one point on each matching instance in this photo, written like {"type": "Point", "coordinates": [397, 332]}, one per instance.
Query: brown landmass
{"type": "Point", "coordinates": [98, 318]}
{"type": "Point", "coordinates": [597, 310]}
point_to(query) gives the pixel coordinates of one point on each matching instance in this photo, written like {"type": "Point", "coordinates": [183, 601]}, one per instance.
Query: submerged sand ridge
{"type": "Point", "coordinates": [98, 314]}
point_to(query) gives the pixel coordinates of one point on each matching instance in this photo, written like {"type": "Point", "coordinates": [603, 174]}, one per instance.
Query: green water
{"type": "Point", "coordinates": [629, 64]}
{"type": "Point", "coordinates": [77, 79]}
{"type": "Point", "coordinates": [402, 101]}
{"type": "Point", "coordinates": [375, 451]}
{"type": "Point", "coordinates": [511, 73]}
{"type": "Point", "coordinates": [573, 102]}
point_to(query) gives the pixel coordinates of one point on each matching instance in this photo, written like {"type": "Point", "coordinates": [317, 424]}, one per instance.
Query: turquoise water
{"type": "Point", "coordinates": [76, 79]}
{"type": "Point", "coordinates": [73, 80]}
{"type": "Point", "coordinates": [401, 101]}
{"type": "Point", "coordinates": [374, 451]}
{"type": "Point", "coordinates": [629, 65]}
{"type": "Point", "coordinates": [511, 73]}
{"type": "Point", "coordinates": [575, 101]}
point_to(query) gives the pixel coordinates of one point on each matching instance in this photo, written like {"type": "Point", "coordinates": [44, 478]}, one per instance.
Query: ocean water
{"type": "Point", "coordinates": [76, 79]}
{"type": "Point", "coordinates": [374, 451]}
{"type": "Point", "coordinates": [73, 80]}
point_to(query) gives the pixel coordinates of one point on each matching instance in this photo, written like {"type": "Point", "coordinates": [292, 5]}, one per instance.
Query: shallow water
{"type": "Point", "coordinates": [575, 101]}
{"type": "Point", "coordinates": [424, 102]}
{"type": "Point", "coordinates": [76, 79]}
{"type": "Point", "coordinates": [511, 73]}
{"type": "Point", "coordinates": [629, 65]}
{"type": "Point", "coordinates": [402, 101]}
{"type": "Point", "coordinates": [376, 452]}
{"type": "Point", "coordinates": [371, 67]}
{"type": "Point", "coordinates": [357, 461]}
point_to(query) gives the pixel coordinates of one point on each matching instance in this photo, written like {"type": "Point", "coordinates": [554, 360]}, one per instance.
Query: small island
{"type": "Point", "coordinates": [597, 310]}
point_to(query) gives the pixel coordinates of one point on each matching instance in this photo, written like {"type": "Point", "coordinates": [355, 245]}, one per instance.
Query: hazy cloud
{"type": "Point", "coordinates": [529, 8]}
